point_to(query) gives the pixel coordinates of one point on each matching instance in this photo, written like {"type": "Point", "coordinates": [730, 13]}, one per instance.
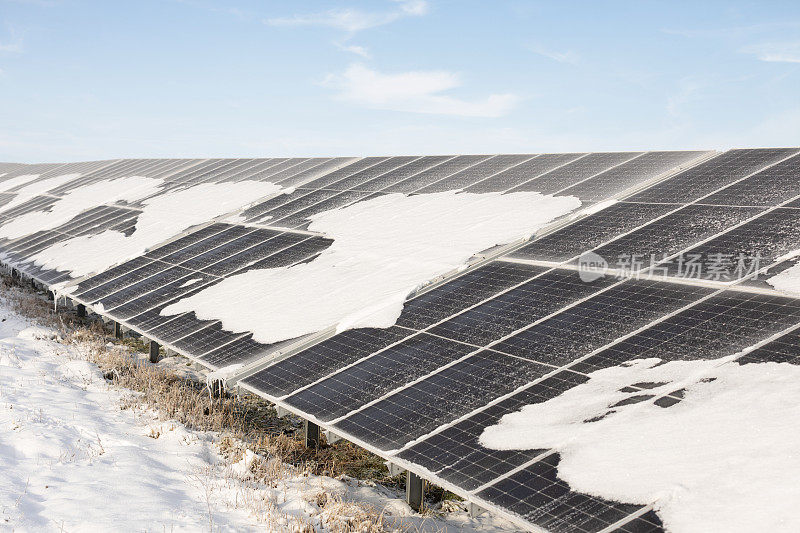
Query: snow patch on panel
{"type": "Point", "coordinates": [787, 281]}
{"type": "Point", "coordinates": [162, 217]}
{"type": "Point", "coordinates": [724, 459]}
{"type": "Point", "coordinates": [78, 200]}
{"type": "Point", "coordinates": [383, 249]}
{"type": "Point", "coordinates": [38, 187]}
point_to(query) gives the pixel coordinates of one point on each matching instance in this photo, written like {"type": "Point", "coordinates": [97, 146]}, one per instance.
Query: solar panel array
{"type": "Point", "coordinates": [520, 326]}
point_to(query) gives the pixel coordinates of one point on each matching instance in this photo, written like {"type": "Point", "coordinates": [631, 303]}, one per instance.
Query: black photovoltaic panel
{"type": "Point", "coordinates": [37, 203]}
{"type": "Point", "coordinates": [299, 218]}
{"type": "Point", "coordinates": [399, 174]}
{"type": "Point", "coordinates": [242, 350]}
{"type": "Point", "coordinates": [28, 170]}
{"type": "Point", "coordinates": [420, 312]}
{"type": "Point", "coordinates": [298, 173]}
{"type": "Point", "coordinates": [182, 242]}
{"type": "Point", "coordinates": [462, 292]}
{"type": "Point", "coordinates": [766, 237]}
{"type": "Point", "coordinates": [433, 174]}
{"type": "Point", "coordinates": [719, 326]}
{"type": "Point", "coordinates": [604, 317]}
{"type": "Point", "coordinates": [591, 231]}
{"type": "Point", "coordinates": [710, 175]}
{"type": "Point", "coordinates": [460, 379]}
{"type": "Point", "coordinates": [321, 359]}
{"type": "Point", "coordinates": [669, 235]}
{"type": "Point", "coordinates": [770, 187]}
{"type": "Point", "coordinates": [455, 455]}
{"type": "Point", "coordinates": [370, 379]}
{"type": "Point", "coordinates": [483, 170]}
{"type": "Point", "coordinates": [354, 181]}
{"type": "Point", "coordinates": [518, 174]}
{"type": "Point", "coordinates": [578, 170]}
{"type": "Point", "coordinates": [488, 374]}
{"type": "Point", "coordinates": [518, 307]}
{"type": "Point", "coordinates": [284, 205]}
{"type": "Point", "coordinates": [332, 177]}
{"type": "Point", "coordinates": [614, 181]}
{"type": "Point", "coordinates": [150, 168]}
{"type": "Point", "coordinates": [785, 349]}
{"type": "Point", "coordinates": [538, 495]}
{"type": "Point", "coordinates": [416, 410]}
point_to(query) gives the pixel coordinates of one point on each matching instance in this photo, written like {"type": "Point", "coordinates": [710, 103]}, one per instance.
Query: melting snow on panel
{"type": "Point", "coordinates": [383, 249]}
{"type": "Point", "coordinates": [724, 459]}
{"type": "Point", "coordinates": [162, 217]}
{"type": "Point", "coordinates": [787, 281]}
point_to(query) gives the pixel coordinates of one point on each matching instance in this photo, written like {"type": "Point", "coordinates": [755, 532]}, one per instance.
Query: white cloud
{"type": "Point", "coordinates": [354, 20]}
{"type": "Point", "coordinates": [415, 92]}
{"type": "Point", "coordinates": [788, 52]}
{"type": "Point", "coordinates": [567, 56]}
{"type": "Point", "coordinates": [354, 49]}
{"type": "Point", "coordinates": [11, 47]}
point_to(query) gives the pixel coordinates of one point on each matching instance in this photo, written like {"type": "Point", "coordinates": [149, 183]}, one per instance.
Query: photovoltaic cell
{"type": "Point", "coordinates": [578, 170]}
{"type": "Point", "coordinates": [722, 325]}
{"type": "Point", "coordinates": [672, 233]}
{"type": "Point", "coordinates": [382, 372]}
{"type": "Point", "coordinates": [763, 240]}
{"type": "Point", "coordinates": [767, 188]}
{"type": "Point", "coordinates": [614, 181]}
{"type": "Point", "coordinates": [705, 178]}
{"type": "Point", "coordinates": [354, 181]}
{"type": "Point", "coordinates": [399, 174]}
{"type": "Point", "coordinates": [538, 495]}
{"type": "Point", "coordinates": [519, 307]}
{"type": "Point", "coordinates": [434, 174]}
{"type": "Point", "coordinates": [518, 174]}
{"type": "Point", "coordinates": [475, 173]}
{"type": "Point", "coordinates": [462, 292]}
{"type": "Point", "coordinates": [299, 218]}
{"type": "Point", "coordinates": [332, 177]}
{"type": "Point", "coordinates": [455, 455]}
{"type": "Point", "coordinates": [591, 231]}
{"type": "Point", "coordinates": [604, 317]}
{"type": "Point", "coordinates": [785, 349]}
{"type": "Point", "coordinates": [412, 412]}
{"type": "Point", "coordinates": [322, 359]}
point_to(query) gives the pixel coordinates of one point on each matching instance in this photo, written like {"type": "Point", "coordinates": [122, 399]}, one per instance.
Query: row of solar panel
{"type": "Point", "coordinates": [131, 285]}
{"type": "Point", "coordinates": [591, 177]}
{"type": "Point", "coordinates": [127, 285]}
{"type": "Point", "coordinates": [175, 173]}
{"type": "Point", "coordinates": [758, 207]}
{"type": "Point", "coordinates": [536, 321]}
{"type": "Point", "coordinates": [387, 388]}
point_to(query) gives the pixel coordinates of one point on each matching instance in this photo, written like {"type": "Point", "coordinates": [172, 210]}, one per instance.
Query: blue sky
{"type": "Point", "coordinates": [178, 78]}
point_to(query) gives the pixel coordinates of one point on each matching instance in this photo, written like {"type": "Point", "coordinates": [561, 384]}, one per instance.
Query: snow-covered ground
{"type": "Point", "coordinates": [72, 460]}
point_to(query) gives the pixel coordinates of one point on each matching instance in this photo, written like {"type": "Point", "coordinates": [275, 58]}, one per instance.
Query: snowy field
{"type": "Point", "coordinates": [72, 460]}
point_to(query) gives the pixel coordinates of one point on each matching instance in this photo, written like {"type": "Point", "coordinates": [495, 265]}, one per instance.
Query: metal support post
{"type": "Point", "coordinates": [311, 434]}
{"type": "Point", "coordinates": [81, 311]}
{"type": "Point", "coordinates": [415, 491]}
{"type": "Point", "coordinates": [154, 349]}
{"type": "Point", "coordinates": [117, 330]}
